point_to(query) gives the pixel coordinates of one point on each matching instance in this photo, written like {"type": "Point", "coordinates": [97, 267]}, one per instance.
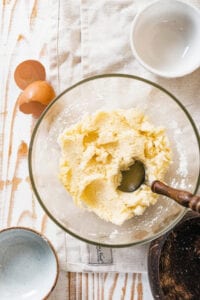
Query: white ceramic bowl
{"type": "Point", "coordinates": [165, 38]}
{"type": "Point", "coordinates": [28, 265]}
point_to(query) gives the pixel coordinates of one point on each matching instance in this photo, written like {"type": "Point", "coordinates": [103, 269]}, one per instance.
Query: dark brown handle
{"type": "Point", "coordinates": [182, 197]}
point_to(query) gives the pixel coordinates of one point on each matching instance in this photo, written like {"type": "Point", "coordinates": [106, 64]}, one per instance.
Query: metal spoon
{"type": "Point", "coordinates": [135, 176]}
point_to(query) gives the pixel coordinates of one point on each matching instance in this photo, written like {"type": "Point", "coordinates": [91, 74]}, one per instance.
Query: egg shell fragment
{"type": "Point", "coordinates": [27, 72]}
{"type": "Point", "coordinates": [35, 98]}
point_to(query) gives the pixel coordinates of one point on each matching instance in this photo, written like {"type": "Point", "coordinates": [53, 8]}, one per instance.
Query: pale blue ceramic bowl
{"type": "Point", "coordinates": [28, 265]}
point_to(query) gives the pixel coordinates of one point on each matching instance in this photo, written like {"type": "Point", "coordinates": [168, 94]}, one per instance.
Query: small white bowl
{"type": "Point", "coordinates": [28, 265]}
{"type": "Point", "coordinates": [165, 38]}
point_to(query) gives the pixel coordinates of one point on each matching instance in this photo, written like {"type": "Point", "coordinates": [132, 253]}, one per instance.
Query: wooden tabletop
{"type": "Point", "coordinates": [21, 23]}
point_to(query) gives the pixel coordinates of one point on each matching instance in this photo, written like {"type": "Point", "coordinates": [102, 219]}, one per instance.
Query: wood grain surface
{"type": "Point", "coordinates": [23, 35]}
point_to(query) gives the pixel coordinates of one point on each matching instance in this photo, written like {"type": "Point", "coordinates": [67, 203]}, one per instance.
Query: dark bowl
{"type": "Point", "coordinates": [174, 261]}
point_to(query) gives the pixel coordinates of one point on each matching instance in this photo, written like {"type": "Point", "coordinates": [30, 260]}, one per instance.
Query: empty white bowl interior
{"type": "Point", "coordinates": [112, 93]}
{"type": "Point", "coordinates": [28, 267]}
{"type": "Point", "coordinates": [165, 37]}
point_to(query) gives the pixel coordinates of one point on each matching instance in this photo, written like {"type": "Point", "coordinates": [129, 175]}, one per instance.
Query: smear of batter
{"type": "Point", "coordinates": [95, 150]}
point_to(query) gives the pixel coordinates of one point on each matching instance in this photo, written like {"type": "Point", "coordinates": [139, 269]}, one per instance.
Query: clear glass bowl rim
{"type": "Point", "coordinates": [134, 77]}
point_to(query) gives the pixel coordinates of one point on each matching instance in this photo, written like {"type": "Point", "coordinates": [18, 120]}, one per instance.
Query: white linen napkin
{"type": "Point", "coordinates": [92, 37]}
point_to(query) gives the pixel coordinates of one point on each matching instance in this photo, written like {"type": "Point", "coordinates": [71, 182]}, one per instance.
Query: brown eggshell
{"type": "Point", "coordinates": [35, 98]}
{"type": "Point", "coordinates": [33, 107]}
{"type": "Point", "coordinates": [27, 72]}
{"type": "Point", "coordinates": [39, 91]}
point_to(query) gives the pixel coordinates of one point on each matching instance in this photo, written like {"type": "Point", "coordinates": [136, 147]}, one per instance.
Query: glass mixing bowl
{"type": "Point", "coordinates": [110, 92]}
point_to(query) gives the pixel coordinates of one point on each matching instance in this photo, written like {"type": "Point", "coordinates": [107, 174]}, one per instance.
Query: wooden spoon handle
{"type": "Point", "coordinates": [184, 198]}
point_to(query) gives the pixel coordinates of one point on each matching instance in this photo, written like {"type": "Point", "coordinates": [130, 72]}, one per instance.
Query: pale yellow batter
{"type": "Point", "coordinates": [95, 150]}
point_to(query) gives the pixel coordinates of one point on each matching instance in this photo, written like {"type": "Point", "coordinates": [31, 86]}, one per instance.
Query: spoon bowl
{"type": "Point", "coordinates": [132, 178]}
{"type": "Point", "coordinates": [135, 176]}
